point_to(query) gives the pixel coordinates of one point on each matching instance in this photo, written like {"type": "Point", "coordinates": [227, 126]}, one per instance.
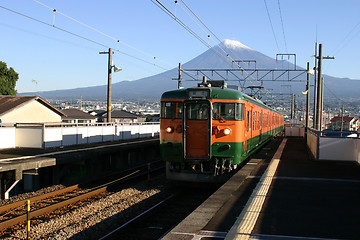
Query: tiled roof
{"type": "Point", "coordinates": [346, 119]}
{"type": "Point", "coordinates": [8, 103]}
{"type": "Point", "coordinates": [73, 113]}
{"type": "Point", "coordinates": [121, 114]}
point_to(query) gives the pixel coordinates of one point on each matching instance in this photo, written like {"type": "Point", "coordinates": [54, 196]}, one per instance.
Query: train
{"type": "Point", "coordinates": [209, 130]}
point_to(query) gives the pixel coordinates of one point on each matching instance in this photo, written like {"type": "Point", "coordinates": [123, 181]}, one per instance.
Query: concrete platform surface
{"type": "Point", "coordinates": [290, 197]}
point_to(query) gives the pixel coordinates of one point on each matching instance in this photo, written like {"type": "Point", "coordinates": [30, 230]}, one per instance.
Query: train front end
{"type": "Point", "coordinates": [198, 133]}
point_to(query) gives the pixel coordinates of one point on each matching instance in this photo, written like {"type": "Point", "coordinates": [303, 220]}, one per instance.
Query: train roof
{"type": "Point", "coordinates": [214, 93]}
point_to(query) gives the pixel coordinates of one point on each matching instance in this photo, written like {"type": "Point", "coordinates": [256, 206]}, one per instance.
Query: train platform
{"type": "Point", "coordinates": [14, 162]}
{"type": "Point", "coordinates": [286, 196]}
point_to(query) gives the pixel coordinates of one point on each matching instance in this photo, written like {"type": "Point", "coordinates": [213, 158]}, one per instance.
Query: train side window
{"type": "Point", "coordinates": [239, 111]}
{"type": "Point", "coordinates": [248, 121]}
{"type": "Point", "coordinates": [227, 111]}
{"type": "Point", "coordinates": [171, 110]}
{"type": "Point", "coordinates": [254, 119]}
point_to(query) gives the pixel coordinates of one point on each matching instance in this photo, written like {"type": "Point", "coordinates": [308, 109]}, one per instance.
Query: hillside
{"type": "Point", "coordinates": [153, 86]}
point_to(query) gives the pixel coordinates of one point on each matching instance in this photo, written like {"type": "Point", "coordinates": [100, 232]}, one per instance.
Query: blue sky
{"type": "Point", "coordinates": [59, 60]}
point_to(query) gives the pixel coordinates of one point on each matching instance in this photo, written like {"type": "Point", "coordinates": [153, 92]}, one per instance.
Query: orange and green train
{"type": "Point", "coordinates": [208, 131]}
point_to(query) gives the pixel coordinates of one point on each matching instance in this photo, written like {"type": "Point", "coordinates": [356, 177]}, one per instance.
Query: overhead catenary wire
{"type": "Point", "coordinates": [282, 26]}
{"type": "Point", "coordinates": [346, 40]}
{"type": "Point", "coordinates": [213, 34]}
{"type": "Point", "coordinates": [227, 58]}
{"type": "Point", "coordinates": [272, 28]}
{"type": "Point", "coordinates": [187, 28]}
{"type": "Point", "coordinates": [80, 36]}
{"type": "Point", "coordinates": [102, 33]}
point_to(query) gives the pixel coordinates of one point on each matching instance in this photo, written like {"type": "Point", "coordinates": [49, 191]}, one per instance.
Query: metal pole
{"type": "Point", "coordinates": [295, 106]}
{"type": "Point", "coordinates": [292, 106]}
{"type": "Point", "coordinates": [179, 79]}
{"type": "Point", "coordinates": [342, 120]}
{"type": "Point", "coordinates": [321, 103]}
{"type": "Point", "coordinates": [109, 87]}
{"type": "Point", "coordinates": [315, 89]}
{"type": "Point", "coordinates": [28, 219]}
{"type": "Point", "coordinates": [319, 90]}
{"type": "Point", "coordinates": [307, 97]}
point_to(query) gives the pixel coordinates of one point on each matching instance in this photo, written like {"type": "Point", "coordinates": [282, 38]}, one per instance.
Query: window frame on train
{"type": "Point", "coordinates": [221, 111]}
{"type": "Point", "coordinates": [171, 110]}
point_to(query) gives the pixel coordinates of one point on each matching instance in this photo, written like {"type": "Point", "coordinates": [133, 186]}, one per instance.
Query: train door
{"type": "Point", "coordinates": [197, 130]}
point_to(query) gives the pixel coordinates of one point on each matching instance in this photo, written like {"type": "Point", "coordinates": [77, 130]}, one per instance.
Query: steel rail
{"type": "Point", "coordinates": [15, 205]}
{"type": "Point", "coordinates": [96, 191]}
{"type": "Point", "coordinates": [138, 216]}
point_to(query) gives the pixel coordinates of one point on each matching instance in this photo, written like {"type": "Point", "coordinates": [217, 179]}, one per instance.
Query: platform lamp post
{"type": "Point", "coordinates": [116, 69]}
{"type": "Point", "coordinates": [307, 93]}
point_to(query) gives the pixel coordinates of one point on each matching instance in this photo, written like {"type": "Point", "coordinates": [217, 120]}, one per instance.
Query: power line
{"type": "Point", "coordinates": [272, 28]}
{"type": "Point", "coordinates": [100, 32]}
{"type": "Point", "coordinates": [342, 43]}
{"type": "Point", "coordinates": [221, 42]}
{"type": "Point", "coordinates": [169, 13]}
{"type": "Point", "coordinates": [282, 25]}
{"type": "Point", "coordinates": [79, 36]}
{"type": "Point", "coordinates": [187, 28]}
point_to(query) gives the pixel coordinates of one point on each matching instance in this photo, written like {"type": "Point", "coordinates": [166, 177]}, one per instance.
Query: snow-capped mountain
{"type": "Point", "coordinates": [154, 86]}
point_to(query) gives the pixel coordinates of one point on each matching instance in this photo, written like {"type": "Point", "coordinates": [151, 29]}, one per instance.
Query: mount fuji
{"type": "Point", "coordinates": [152, 87]}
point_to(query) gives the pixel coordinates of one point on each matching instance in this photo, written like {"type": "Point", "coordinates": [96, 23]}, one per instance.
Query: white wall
{"type": "Point", "coordinates": [29, 137]}
{"type": "Point", "coordinates": [70, 134]}
{"type": "Point", "coordinates": [312, 143]}
{"type": "Point", "coordinates": [7, 137]}
{"type": "Point", "coordinates": [31, 112]}
{"type": "Point", "coordinates": [339, 149]}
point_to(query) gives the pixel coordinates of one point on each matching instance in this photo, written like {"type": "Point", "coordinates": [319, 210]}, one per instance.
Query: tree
{"type": "Point", "coordinates": [8, 79]}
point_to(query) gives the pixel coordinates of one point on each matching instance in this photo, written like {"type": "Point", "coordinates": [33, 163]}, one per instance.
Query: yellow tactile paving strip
{"type": "Point", "coordinates": [245, 223]}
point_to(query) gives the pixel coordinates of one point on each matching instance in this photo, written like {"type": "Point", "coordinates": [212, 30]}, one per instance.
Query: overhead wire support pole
{"type": "Point", "coordinates": [315, 88]}
{"type": "Point", "coordinates": [320, 89]}
{"type": "Point", "coordinates": [179, 78]}
{"type": "Point", "coordinates": [307, 97]}
{"type": "Point", "coordinates": [110, 52]}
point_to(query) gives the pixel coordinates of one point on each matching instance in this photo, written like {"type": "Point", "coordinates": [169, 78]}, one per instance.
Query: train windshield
{"type": "Point", "coordinates": [171, 110]}
{"type": "Point", "coordinates": [197, 111]}
{"type": "Point", "coordinates": [228, 111]}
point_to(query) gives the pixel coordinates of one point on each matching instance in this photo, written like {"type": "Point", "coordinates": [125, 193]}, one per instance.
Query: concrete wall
{"type": "Point", "coordinates": [344, 149]}
{"type": "Point", "coordinates": [312, 142]}
{"type": "Point", "coordinates": [7, 137]}
{"type": "Point", "coordinates": [29, 137]}
{"type": "Point", "coordinates": [294, 131]}
{"type": "Point", "coordinates": [56, 135]}
{"type": "Point", "coordinates": [333, 148]}
{"type": "Point", "coordinates": [31, 112]}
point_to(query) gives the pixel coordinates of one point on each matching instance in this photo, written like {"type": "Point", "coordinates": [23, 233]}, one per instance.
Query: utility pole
{"type": "Point", "coordinates": [179, 79]}
{"type": "Point", "coordinates": [307, 96]}
{"type": "Point", "coordinates": [320, 90]}
{"type": "Point", "coordinates": [36, 82]}
{"type": "Point", "coordinates": [342, 119]}
{"type": "Point", "coordinates": [315, 88]}
{"type": "Point", "coordinates": [292, 115]}
{"type": "Point", "coordinates": [110, 52]}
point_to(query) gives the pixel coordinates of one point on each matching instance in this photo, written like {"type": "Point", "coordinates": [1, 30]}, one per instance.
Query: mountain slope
{"type": "Point", "coordinates": [154, 86]}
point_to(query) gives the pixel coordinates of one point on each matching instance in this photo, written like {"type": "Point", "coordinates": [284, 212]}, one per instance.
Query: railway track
{"type": "Point", "coordinates": [12, 215]}
{"type": "Point", "coordinates": [158, 219]}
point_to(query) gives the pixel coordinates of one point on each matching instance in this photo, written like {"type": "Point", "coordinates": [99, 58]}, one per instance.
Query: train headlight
{"type": "Point", "coordinates": [227, 131]}
{"type": "Point", "coordinates": [169, 129]}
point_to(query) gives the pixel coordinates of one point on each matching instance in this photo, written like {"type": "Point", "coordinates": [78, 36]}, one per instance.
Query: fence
{"type": "Point", "coordinates": [66, 134]}
{"type": "Point", "coordinates": [336, 148]}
